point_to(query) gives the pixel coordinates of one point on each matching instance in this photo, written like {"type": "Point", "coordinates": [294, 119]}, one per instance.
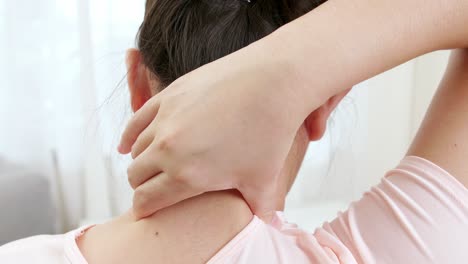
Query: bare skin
{"type": "Point", "coordinates": [194, 230]}
{"type": "Point", "coordinates": [443, 136]}
{"type": "Point", "coordinates": [189, 232]}
{"type": "Point", "coordinates": [308, 61]}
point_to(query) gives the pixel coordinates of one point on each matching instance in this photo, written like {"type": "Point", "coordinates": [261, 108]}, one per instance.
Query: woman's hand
{"type": "Point", "coordinates": [226, 125]}
{"type": "Point", "coordinates": [230, 123]}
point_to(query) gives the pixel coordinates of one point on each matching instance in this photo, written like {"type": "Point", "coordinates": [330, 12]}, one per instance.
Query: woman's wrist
{"type": "Point", "coordinates": [288, 82]}
{"type": "Point", "coordinates": [343, 42]}
{"type": "Point", "coordinates": [278, 71]}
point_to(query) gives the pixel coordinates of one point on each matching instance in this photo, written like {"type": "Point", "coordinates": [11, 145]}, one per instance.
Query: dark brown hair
{"type": "Point", "coordinates": [178, 36]}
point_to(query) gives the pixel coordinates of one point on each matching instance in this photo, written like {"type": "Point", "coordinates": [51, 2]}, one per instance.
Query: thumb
{"type": "Point", "coordinates": [262, 204]}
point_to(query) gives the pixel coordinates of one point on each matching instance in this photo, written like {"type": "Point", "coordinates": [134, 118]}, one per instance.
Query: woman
{"type": "Point", "coordinates": [209, 227]}
{"type": "Point", "coordinates": [196, 136]}
{"type": "Point", "coordinates": [307, 62]}
{"type": "Point", "coordinates": [176, 38]}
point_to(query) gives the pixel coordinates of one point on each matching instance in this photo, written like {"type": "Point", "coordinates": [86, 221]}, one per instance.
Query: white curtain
{"type": "Point", "coordinates": [61, 67]}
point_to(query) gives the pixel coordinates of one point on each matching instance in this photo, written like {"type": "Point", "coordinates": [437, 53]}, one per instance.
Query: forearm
{"type": "Point", "coordinates": [345, 42]}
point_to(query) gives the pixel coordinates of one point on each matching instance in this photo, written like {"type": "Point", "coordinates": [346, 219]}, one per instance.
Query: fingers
{"type": "Point", "coordinates": [160, 192]}
{"type": "Point", "coordinates": [263, 204]}
{"type": "Point", "coordinates": [140, 120]}
{"type": "Point", "coordinates": [143, 142]}
{"type": "Point", "coordinates": [143, 168]}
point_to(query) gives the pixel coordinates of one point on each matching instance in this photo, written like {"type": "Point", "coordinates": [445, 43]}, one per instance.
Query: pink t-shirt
{"type": "Point", "coordinates": [417, 214]}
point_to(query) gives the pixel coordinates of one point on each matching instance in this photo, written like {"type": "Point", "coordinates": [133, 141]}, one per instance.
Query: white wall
{"type": "Point", "coordinates": [428, 71]}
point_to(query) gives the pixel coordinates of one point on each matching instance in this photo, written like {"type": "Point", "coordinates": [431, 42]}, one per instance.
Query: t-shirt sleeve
{"type": "Point", "coordinates": [417, 214]}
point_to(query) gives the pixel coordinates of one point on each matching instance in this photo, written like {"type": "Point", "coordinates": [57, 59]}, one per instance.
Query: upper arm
{"type": "Point", "coordinates": [443, 135]}
{"type": "Point", "coordinates": [418, 213]}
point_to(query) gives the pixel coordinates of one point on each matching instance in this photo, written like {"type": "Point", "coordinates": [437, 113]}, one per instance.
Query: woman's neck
{"type": "Point", "coordinates": [198, 228]}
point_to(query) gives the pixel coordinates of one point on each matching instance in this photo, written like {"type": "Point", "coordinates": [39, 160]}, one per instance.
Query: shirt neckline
{"type": "Point", "coordinates": [72, 251]}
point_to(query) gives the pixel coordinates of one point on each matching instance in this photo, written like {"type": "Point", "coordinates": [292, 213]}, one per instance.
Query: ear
{"type": "Point", "coordinates": [316, 122]}
{"type": "Point", "coordinates": [138, 79]}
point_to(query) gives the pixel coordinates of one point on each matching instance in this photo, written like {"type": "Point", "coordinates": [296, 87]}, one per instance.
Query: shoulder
{"type": "Point", "coordinates": [279, 242]}
{"type": "Point", "coordinates": [44, 249]}
{"type": "Point", "coordinates": [418, 204]}
{"type": "Point", "coordinates": [37, 249]}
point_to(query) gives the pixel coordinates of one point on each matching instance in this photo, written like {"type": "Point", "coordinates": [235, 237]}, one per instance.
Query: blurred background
{"type": "Point", "coordinates": [64, 103]}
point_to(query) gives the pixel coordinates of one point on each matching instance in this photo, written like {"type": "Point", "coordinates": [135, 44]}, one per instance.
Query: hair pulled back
{"type": "Point", "coordinates": [178, 36]}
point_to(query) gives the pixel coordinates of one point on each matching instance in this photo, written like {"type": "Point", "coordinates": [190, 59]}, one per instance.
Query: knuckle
{"type": "Point", "coordinates": [166, 141]}
{"type": "Point", "coordinates": [180, 179]}
{"type": "Point", "coordinates": [186, 177]}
